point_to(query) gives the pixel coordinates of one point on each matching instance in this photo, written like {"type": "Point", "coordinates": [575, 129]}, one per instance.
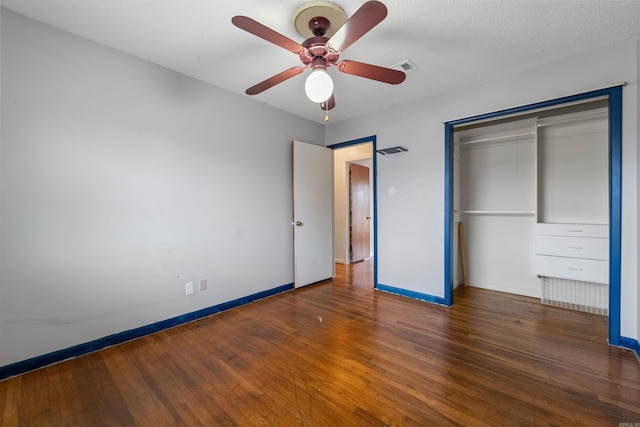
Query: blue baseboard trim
{"type": "Point", "coordinates": [410, 294]}
{"type": "Point", "coordinates": [631, 344]}
{"type": "Point", "coordinates": [120, 337]}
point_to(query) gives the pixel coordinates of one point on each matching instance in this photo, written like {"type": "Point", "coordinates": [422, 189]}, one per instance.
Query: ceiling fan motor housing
{"type": "Point", "coordinates": [317, 49]}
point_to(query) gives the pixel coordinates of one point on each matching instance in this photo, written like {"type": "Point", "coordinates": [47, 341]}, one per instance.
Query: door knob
{"type": "Point", "coordinates": [298, 224]}
{"type": "Point", "coordinates": [368, 217]}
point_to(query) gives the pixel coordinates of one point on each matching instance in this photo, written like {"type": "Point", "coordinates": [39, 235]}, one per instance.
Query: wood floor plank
{"type": "Point", "coordinates": [341, 353]}
{"type": "Point", "coordinates": [10, 402]}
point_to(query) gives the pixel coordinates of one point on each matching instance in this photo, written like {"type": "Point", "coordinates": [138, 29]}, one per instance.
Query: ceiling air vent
{"type": "Point", "coordinates": [407, 66]}
{"type": "Point", "coordinates": [392, 150]}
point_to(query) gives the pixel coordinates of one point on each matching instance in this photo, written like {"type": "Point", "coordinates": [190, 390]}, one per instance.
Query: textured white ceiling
{"type": "Point", "coordinates": [453, 43]}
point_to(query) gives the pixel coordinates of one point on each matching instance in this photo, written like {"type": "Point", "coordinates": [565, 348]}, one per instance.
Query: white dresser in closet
{"type": "Point", "coordinates": [573, 251]}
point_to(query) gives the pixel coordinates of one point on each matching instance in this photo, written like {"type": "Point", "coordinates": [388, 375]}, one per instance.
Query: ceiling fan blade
{"type": "Point", "coordinates": [272, 81]}
{"type": "Point", "coordinates": [328, 104]}
{"type": "Point", "coordinates": [368, 16]}
{"type": "Point", "coordinates": [266, 33]}
{"type": "Point", "coordinates": [373, 72]}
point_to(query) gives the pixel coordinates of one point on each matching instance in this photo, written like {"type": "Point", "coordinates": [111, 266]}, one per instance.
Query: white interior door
{"type": "Point", "coordinates": [312, 213]}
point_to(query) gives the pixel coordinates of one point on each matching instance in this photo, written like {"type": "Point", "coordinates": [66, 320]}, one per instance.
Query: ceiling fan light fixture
{"type": "Point", "coordinates": [319, 85]}
{"type": "Point", "coordinates": [328, 33]}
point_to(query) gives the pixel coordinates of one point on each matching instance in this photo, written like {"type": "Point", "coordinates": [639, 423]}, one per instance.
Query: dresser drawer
{"type": "Point", "coordinates": [586, 270]}
{"type": "Point", "coordinates": [573, 247]}
{"type": "Point", "coordinates": [573, 230]}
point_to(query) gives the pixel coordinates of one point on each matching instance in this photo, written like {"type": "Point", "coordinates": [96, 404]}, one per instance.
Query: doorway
{"type": "Point", "coordinates": [359, 211]}
{"type": "Point", "coordinates": [356, 152]}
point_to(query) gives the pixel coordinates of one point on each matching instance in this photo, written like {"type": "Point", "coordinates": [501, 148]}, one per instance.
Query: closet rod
{"type": "Point", "coordinates": [515, 213]}
{"type": "Point", "coordinates": [498, 138]}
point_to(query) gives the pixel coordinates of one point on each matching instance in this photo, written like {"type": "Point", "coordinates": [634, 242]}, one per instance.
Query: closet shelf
{"type": "Point", "coordinates": [502, 213]}
{"type": "Point", "coordinates": [550, 121]}
{"type": "Point", "coordinates": [514, 136]}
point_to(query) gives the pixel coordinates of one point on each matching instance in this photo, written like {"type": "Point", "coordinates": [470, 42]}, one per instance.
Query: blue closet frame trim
{"type": "Point", "coordinates": [373, 140]}
{"type": "Point", "coordinates": [448, 214]}
{"type": "Point", "coordinates": [614, 95]}
{"type": "Point", "coordinates": [411, 294]}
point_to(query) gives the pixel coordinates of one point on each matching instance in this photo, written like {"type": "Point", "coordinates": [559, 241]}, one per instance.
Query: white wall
{"type": "Point", "coordinates": [120, 181]}
{"type": "Point", "coordinates": [411, 223]}
{"type": "Point", "coordinates": [341, 158]}
{"type": "Point", "coordinates": [573, 172]}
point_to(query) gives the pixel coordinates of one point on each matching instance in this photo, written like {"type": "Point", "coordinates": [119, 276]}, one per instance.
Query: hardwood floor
{"type": "Point", "coordinates": [340, 353]}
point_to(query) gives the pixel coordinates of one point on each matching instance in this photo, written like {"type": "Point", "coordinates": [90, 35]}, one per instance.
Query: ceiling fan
{"type": "Point", "coordinates": [329, 34]}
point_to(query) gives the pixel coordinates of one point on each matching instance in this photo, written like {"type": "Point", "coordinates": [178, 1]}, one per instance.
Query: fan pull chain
{"type": "Point", "coordinates": [326, 109]}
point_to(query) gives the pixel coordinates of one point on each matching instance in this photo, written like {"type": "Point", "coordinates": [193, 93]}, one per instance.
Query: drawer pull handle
{"type": "Point", "coordinates": [574, 247]}
{"type": "Point", "coordinates": [575, 230]}
{"type": "Point", "coordinates": [574, 268]}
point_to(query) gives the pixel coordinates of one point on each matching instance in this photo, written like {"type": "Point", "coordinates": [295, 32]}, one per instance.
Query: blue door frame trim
{"type": "Point", "coordinates": [120, 337]}
{"type": "Point", "coordinates": [373, 140]}
{"type": "Point", "coordinates": [614, 95]}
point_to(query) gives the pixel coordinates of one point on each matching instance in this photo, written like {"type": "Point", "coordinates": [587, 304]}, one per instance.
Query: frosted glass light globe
{"type": "Point", "coordinates": [318, 86]}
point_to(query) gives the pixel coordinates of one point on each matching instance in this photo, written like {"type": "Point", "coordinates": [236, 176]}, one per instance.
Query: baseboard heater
{"type": "Point", "coordinates": [577, 295]}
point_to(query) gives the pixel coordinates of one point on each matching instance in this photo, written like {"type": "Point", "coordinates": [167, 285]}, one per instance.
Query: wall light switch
{"type": "Point", "coordinates": [203, 285]}
{"type": "Point", "coordinates": [188, 288]}
{"type": "Point", "coordinates": [392, 190]}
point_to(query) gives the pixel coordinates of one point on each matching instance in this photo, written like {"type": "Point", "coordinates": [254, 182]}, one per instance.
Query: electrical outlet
{"type": "Point", "coordinates": [203, 285]}
{"type": "Point", "coordinates": [188, 288]}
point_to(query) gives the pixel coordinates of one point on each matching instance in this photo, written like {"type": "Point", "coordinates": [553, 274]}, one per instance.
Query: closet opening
{"type": "Point", "coordinates": [536, 190]}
